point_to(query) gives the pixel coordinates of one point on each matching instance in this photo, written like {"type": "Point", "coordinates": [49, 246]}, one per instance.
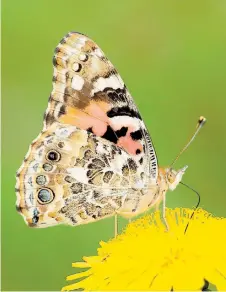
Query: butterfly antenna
{"type": "Point", "coordinates": [200, 124]}
{"type": "Point", "coordinates": [197, 205]}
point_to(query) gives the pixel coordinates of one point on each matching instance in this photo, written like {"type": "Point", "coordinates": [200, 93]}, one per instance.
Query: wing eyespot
{"type": "Point", "coordinates": [53, 155]}
{"type": "Point", "coordinates": [83, 57]}
{"type": "Point", "coordinates": [77, 67]}
{"type": "Point", "coordinates": [61, 144]}
{"type": "Point", "coordinates": [45, 196]}
{"type": "Point", "coordinates": [47, 167]}
{"type": "Point", "coordinates": [41, 180]}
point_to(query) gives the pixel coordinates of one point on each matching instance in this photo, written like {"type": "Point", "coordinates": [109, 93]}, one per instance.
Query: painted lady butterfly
{"type": "Point", "coordinates": [94, 157]}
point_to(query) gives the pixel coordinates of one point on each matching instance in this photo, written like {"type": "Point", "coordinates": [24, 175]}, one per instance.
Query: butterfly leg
{"type": "Point", "coordinates": [116, 225]}
{"type": "Point", "coordinates": [164, 210]}
{"type": "Point", "coordinates": [157, 205]}
{"type": "Point", "coordinates": [127, 215]}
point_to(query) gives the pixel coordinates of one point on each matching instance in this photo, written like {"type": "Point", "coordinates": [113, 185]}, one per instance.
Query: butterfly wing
{"type": "Point", "coordinates": [89, 93]}
{"type": "Point", "coordinates": [94, 152]}
{"type": "Point", "coordinates": [72, 176]}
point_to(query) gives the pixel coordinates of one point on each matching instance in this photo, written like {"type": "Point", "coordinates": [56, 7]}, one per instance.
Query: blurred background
{"type": "Point", "coordinates": [171, 55]}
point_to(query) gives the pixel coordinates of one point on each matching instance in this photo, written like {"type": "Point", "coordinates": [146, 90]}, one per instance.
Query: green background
{"type": "Point", "coordinates": [172, 56]}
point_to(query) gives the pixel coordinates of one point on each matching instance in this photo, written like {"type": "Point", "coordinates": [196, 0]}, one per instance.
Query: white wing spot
{"type": "Point", "coordinates": [83, 57]}
{"type": "Point", "coordinates": [99, 53]}
{"type": "Point", "coordinates": [78, 173]}
{"type": "Point", "coordinates": [64, 132]}
{"type": "Point", "coordinates": [114, 81]}
{"type": "Point", "coordinates": [77, 82]}
{"type": "Point", "coordinates": [75, 67]}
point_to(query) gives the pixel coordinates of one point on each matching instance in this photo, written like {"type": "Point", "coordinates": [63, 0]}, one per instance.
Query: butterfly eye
{"type": "Point", "coordinates": [45, 196]}
{"type": "Point", "coordinates": [171, 177]}
{"type": "Point", "coordinates": [53, 155]}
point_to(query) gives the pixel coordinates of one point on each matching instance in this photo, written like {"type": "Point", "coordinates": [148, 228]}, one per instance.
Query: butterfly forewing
{"type": "Point", "coordinates": [89, 93]}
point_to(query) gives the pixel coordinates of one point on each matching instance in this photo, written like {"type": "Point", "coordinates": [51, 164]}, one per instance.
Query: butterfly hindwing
{"type": "Point", "coordinates": [73, 176]}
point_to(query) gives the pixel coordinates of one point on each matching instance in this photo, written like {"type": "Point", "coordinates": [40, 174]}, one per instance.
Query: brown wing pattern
{"type": "Point", "coordinates": [89, 93]}
{"type": "Point", "coordinates": [94, 153]}
{"type": "Point", "coordinates": [72, 176]}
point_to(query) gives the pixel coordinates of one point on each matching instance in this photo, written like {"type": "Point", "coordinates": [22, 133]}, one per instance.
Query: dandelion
{"type": "Point", "coordinates": [146, 257]}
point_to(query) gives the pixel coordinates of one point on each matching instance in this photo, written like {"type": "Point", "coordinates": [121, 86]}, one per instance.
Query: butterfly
{"type": "Point", "coordinates": [94, 157]}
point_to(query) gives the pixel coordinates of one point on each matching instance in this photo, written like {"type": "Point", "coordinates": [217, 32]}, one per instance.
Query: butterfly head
{"type": "Point", "coordinates": [173, 177]}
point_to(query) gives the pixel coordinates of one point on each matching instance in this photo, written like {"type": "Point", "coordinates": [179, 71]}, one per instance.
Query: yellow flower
{"type": "Point", "coordinates": [146, 257]}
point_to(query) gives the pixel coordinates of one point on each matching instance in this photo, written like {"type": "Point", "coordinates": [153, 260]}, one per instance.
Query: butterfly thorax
{"type": "Point", "coordinates": [156, 190]}
{"type": "Point", "coordinates": [147, 197]}
{"type": "Point", "coordinates": [167, 179]}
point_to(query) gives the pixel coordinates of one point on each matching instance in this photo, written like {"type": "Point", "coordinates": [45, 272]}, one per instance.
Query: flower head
{"type": "Point", "coordinates": [146, 257]}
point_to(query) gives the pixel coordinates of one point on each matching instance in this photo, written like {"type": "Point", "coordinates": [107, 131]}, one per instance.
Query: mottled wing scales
{"type": "Point", "coordinates": [89, 93]}
{"type": "Point", "coordinates": [94, 155]}
{"type": "Point", "coordinates": [74, 177]}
